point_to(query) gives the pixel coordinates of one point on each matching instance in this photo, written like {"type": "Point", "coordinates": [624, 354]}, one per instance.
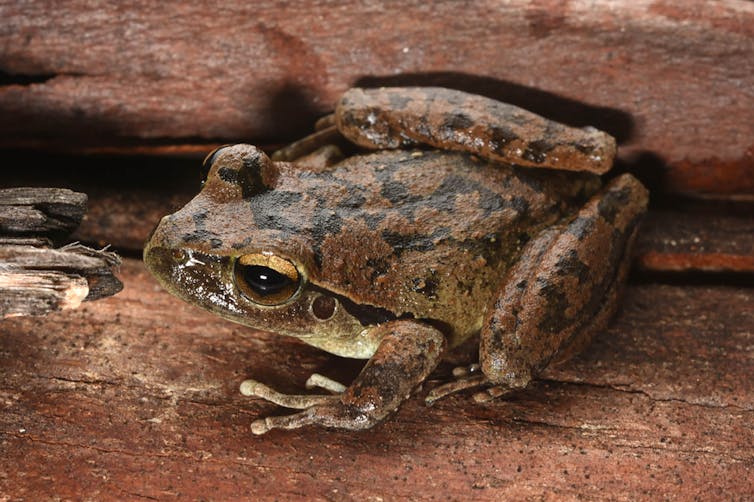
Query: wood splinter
{"type": "Point", "coordinates": [35, 277]}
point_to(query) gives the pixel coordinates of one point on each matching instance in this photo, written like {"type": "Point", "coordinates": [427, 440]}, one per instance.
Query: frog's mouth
{"type": "Point", "coordinates": [370, 315]}
{"type": "Point", "coordinates": [367, 315]}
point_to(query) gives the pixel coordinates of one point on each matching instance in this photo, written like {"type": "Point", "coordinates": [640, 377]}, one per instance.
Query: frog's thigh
{"type": "Point", "coordinates": [407, 354]}
{"type": "Point", "coordinates": [564, 288]}
{"type": "Point", "coordinates": [454, 120]}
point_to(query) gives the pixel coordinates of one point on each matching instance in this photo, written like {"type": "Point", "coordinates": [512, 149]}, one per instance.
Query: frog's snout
{"type": "Point", "coordinates": [162, 251]}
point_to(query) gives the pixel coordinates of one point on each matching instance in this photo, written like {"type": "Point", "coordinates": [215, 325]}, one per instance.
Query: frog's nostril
{"type": "Point", "coordinates": [323, 307]}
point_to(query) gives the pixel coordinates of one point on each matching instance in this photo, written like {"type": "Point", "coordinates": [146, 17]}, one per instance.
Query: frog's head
{"type": "Point", "coordinates": [243, 249]}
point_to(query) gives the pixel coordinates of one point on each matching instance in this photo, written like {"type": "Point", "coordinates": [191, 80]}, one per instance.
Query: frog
{"type": "Point", "coordinates": [410, 221]}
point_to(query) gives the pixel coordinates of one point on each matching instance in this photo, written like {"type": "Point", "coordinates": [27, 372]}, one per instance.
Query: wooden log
{"type": "Point", "coordinates": [693, 239]}
{"type": "Point", "coordinates": [36, 279]}
{"type": "Point", "coordinates": [669, 80]}
{"type": "Point", "coordinates": [136, 396]}
{"type": "Point", "coordinates": [40, 211]}
{"type": "Point", "coordinates": [25, 292]}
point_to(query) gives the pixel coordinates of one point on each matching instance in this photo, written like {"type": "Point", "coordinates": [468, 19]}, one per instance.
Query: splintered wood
{"type": "Point", "coordinates": [35, 278]}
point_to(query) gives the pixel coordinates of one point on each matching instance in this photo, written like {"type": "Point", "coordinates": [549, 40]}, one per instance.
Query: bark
{"type": "Point", "coordinates": [671, 81]}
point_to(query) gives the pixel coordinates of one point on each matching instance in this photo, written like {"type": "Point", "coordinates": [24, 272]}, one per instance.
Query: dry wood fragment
{"type": "Point", "coordinates": [25, 292]}
{"type": "Point", "coordinates": [35, 278]}
{"type": "Point", "coordinates": [40, 211]}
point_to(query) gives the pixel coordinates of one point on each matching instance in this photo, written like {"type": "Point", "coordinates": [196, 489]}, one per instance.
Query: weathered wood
{"type": "Point", "coordinates": [698, 237]}
{"type": "Point", "coordinates": [37, 280]}
{"type": "Point", "coordinates": [24, 292]}
{"type": "Point", "coordinates": [670, 80]}
{"type": "Point", "coordinates": [40, 211]}
{"type": "Point", "coordinates": [137, 396]}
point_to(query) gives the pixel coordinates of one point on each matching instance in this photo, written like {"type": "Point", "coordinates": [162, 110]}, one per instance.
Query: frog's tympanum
{"type": "Point", "coordinates": [452, 215]}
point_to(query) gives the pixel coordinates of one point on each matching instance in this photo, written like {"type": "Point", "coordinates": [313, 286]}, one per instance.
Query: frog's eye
{"type": "Point", "coordinates": [208, 161]}
{"type": "Point", "coordinates": [266, 279]}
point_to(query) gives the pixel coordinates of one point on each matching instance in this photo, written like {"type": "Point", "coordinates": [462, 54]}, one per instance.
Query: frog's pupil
{"type": "Point", "coordinates": [264, 280]}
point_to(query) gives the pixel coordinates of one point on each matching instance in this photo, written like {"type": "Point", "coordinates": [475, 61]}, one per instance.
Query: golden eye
{"type": "Point", "coordinates": [266, 279]}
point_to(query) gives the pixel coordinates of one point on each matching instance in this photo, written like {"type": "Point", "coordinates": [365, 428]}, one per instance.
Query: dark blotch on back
{"type": "Point", "coordinates": [427, 287]}
{"type": "Point", "coordinates": [581, 227]}
{"type": "Point", "coordinates": [571, 265]}
{"type": "Point", "coordinates": [412, 242]}
{"type": "Point", "coordinates": [500, 136]}
{"type": "Point", "coordinates": [268, 207]}
{"type": "Point", "coordinates": [554, 318]}
{"type": "Point", "coordinates": [200, 236]}
{"type": "Point", "coordinates": [537, 151]}
{"type": "Point", "coordinates": [457, 120]}
{"type": "Point", "coordinates": [612, 202]}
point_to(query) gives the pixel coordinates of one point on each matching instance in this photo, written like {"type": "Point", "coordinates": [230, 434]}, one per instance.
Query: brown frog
{"type": "Point", "coordinates": [455, 215]}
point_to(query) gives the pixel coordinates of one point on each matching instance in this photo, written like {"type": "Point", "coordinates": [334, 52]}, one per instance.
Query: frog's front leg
{"type": "Point", "coordinates": [563, 289]}
{"type": "Point", "coordinates": [454, 120]}
{"type": "Point", "coordinates": [408, 353]}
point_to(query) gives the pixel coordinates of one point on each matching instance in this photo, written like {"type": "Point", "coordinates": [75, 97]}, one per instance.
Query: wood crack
{"type": "Point", "coordinates": [628, 389]}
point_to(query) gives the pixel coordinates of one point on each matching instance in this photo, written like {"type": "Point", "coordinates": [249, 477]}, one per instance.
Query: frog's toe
{"type": "Point", "coordinates": [317, 381]}
{"type": "Point", "coordinates": [491, 393]}
{"type": "Point", "coordinates": [264, 425]}
{"type": "Point", "coordinates": [253, 388]}
{"type": "Point", "coordinates": [476, 380]}
{"type": "Point", "coordinates": [332, 414]}
{"type": "Point", "coordinates": [466, 371]}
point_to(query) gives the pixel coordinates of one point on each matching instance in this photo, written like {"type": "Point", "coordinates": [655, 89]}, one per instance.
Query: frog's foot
{"type": "Point", "coordinates": [306, 402]}
{"type": "Point", "coordinates": [252, 388]}
{"type": "Point", "coordinates": [455, 386]}
{"type": "Point", "coordinates": [453, 120]}
{"type": "Point", "coordinates": [407, 354]}
{"type": "Point", "coordinates": [469, 377]}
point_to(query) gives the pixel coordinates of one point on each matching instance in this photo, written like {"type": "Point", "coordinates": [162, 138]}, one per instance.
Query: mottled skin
{"type": "Point", "coordinates": [394, 255]}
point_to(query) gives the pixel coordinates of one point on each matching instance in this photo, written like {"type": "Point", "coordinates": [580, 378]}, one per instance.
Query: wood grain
{"type": "Point", "coordinates": [98, 398]}
{"type": "Point", "coordinates": [670, 80]}
{"type": "Point", "coordinates": [36, 278]}
{"type": "Point", "coordinates": [40, 211]}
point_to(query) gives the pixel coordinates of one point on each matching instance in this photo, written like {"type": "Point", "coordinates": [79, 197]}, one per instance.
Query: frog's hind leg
{"type": "Point", "coordinates": [564, 290]}
{"type": "Point", "coordinates": [454, 120]}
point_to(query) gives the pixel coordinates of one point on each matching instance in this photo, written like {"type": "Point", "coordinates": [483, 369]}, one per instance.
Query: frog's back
{"type": "Point", "coordinates": [428, 234]}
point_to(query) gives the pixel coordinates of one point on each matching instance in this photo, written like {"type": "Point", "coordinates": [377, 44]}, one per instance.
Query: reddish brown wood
{"type": "Point", "coordinates": [136, 396]}
{"type": "Point", "coordinates": [671, 80]}
{"type": "Point", "coordinates": [697, 238]}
